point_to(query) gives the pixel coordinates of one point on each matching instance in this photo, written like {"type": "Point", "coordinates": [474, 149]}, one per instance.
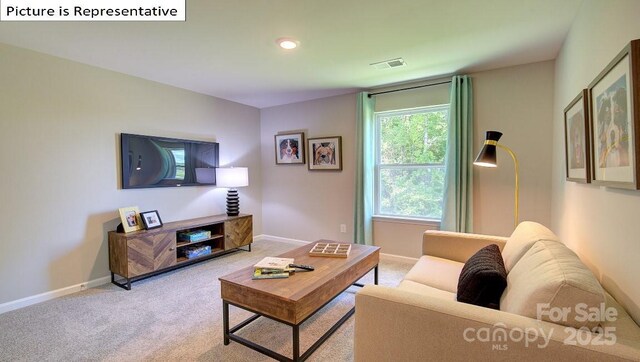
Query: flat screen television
{"type": "Point", "coordinates": [149, 161]}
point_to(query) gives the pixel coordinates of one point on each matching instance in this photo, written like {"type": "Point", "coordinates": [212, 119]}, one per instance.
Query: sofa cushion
{"type": "Point", "coordinates": [427, 291]}
{"type": "Point", "coordinates": [483, 278]}
{"type": "Point", "coordinates": [436, 272]}
{"type": "Point", "coordinates": [523, 237]}
{"type": "Point", "coordinates": [550, 279]}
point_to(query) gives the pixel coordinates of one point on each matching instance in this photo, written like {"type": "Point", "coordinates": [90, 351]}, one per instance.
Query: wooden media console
{"type": "Point", "coordinates": [141, 254]}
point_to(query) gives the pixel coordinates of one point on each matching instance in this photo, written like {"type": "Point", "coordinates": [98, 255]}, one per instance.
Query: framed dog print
{"type": "Point", "coordinates": [289, 148]}
{"type": "Point", "coordinates": [615, 121]}
{"type": "Point", "coordinates": [130, 217]}
{"type": "Point", "coordinates": [576, 139]}
{"type": "Point", "coordinates": [325, 154]}
{"type": "Point", "coordinates": [151, 219]}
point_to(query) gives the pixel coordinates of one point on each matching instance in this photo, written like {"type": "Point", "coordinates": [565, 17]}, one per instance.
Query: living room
{"type": "Point", "coordinates": [64, 106]}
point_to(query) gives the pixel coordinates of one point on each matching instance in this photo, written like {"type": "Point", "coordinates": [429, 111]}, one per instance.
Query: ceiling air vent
{"type": "Point", "coordinates": [391, 63]}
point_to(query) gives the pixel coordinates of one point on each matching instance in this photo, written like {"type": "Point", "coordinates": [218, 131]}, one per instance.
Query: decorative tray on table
{"type": "Point", "coordinates": [331, 250]}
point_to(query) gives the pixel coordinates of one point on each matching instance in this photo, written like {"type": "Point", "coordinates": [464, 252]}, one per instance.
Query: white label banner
{"type": "Point", "coordinates": [93, 10]}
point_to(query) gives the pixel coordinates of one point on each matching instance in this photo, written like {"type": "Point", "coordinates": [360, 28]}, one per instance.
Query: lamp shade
{"type": "Point", "coordinates": [487, 158]}
{"type": "Point", "coordinates": [232, 177]}
{"type": "Point", "coordinates": [487, 155]}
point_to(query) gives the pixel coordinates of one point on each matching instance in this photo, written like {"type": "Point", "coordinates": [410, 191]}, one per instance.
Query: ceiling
{"type": "Point", "coordinates": [227, 49]}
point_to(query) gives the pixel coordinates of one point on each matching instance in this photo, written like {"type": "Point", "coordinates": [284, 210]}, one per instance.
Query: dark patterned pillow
{"type": "Point", "coordinates": [483, 278]}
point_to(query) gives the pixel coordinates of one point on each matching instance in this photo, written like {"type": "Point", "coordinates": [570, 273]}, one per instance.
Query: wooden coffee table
{"type": "Point", "coordinates": [293, 300]}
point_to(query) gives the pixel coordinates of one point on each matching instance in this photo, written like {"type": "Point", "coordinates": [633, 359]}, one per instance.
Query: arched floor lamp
{"type": "Point", "coordinates": [488, 158]}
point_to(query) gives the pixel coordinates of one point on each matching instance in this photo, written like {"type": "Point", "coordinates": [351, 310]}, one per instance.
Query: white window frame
{"type": "Point", "coordinates": [378, 166]}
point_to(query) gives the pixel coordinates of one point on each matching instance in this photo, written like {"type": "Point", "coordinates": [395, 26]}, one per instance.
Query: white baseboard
{"type": "Point", "coordinates": [280, 239]}
{"type": "Point", "coordinates": [43, 297]}
{"type": "Point", "coordinates": [400, 258]}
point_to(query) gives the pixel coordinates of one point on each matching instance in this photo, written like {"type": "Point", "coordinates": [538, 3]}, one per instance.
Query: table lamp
{"type": "Point", "coordinates": [232, 177]}
{"type": "Point", "coordinates": [488, 158]}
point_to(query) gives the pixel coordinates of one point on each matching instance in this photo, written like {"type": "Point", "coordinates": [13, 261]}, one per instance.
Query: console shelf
{"type": "Point", "coordinates": [141, 254]}
{"type": "Point", "coordinates": [180, 244]}
{"type": "Point", "coordinates": [183, 259]}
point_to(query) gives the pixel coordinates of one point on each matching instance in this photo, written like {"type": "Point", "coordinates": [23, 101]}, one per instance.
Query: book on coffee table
{"type": "Point", "coordinates": [274, 263]}
{"type": "Point", "coordinates": [275, 271]}
{"type": "Point", "coordinates": [258, 273]}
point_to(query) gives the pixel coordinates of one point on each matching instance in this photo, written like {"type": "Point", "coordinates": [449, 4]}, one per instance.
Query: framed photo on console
{"type": "Point", "coordinates": [325, 154]}
{"type": "Point", "coordinates": [289, 148]}
{"type": "Point", "coordinates": [615, 120]}
{"type": "Point", "coordinates": [576, 139]}
{"type": "Point", "coordinates": [151, 219]}
{"type": "Point", "coordinates": [130, 218]}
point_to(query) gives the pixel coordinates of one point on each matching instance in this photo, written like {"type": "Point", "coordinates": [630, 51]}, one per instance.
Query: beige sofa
{"type": "Point", "coordinates": [421, 319]}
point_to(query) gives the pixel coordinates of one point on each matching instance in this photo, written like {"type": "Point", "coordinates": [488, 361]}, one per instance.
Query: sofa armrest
{"type": "Point", "coordinates": [397, 325]}
{"type": "Point", "coordinates": [456, 246]}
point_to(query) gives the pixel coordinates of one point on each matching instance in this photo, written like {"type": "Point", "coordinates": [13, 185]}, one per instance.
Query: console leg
{"type": "Point", "coordinates": [125, 286]}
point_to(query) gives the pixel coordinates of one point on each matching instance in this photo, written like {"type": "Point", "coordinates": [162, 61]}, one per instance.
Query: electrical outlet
{"type": "Point", "coordinates": [343, 228]}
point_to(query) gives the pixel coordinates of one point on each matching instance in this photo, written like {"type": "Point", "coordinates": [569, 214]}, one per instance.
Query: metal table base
{"type": "Point", "coordinates": [228, 332]}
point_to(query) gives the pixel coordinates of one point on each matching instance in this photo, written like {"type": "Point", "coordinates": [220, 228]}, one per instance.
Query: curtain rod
{"type": "Point", "coordinates": [409, 88]}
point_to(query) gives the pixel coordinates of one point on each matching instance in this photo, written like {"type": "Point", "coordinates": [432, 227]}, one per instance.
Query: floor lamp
{"type": "Point", "coordinates": [487, 158]}
{"type": "Point", "coordinates": [232, 177]}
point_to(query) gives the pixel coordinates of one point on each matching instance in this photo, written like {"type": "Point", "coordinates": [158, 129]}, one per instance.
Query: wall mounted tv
{"type": "Point", "coordinates": [149, 161]}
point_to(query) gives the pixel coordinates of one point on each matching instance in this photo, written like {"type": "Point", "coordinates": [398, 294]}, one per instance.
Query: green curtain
{"type": "Point", "coordinates": [363, 210]}
{"type": "Point", "coordinates": [457, 213]}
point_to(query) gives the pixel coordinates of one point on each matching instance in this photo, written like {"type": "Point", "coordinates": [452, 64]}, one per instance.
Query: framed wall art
{"type": "Point", "coordinates": [151, 219]}
{"type": "Point", "coordinates": [615, 121]}
{"type": "Point", "coordinates": [130, 218]}
{"type": "Point", "coordinates": [325, 154]}
{"type": "Point", "coordinates": [289, 148]}
{"type": "Point", "coordinates": [576, 139]}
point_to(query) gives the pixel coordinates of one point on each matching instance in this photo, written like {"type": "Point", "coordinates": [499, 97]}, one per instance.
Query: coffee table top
{"type": "Point", "coordinates": [293, 299]}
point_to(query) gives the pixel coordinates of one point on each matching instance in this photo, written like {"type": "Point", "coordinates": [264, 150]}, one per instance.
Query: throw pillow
{"type": "Point", "coordinates": [483, 278]}
{"type": "Point", "coordinates": [524, 236]}
{"type": "Point", "coordinates": [549, 278]}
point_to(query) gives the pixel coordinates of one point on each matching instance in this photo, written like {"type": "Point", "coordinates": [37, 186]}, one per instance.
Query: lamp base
{"type": "Point", "coordinates": [233, 202]}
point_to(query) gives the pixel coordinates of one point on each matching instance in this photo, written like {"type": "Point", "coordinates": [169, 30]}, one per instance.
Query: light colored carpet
{"type": "Point", "coordinates": [172, 316]}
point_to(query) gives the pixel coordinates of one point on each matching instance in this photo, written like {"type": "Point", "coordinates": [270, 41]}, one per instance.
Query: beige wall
{"type": "Point", "coordinates": [59, 127]}
{"type": "Point", "coordinates": [600, 224]}
{"type": "Point", "coordinates": [517, 101]}
{"type": "Point", "coordinates": [402, 238]}
{"type": "Point", "coordinates": [302, 204]}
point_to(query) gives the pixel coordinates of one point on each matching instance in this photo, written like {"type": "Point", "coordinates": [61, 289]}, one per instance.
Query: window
{"type": "Point", "coordinates": [409, 168]}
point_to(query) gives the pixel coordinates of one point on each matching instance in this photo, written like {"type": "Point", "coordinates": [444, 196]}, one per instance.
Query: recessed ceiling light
{"type": "Point", "coordinates": [287, 43]}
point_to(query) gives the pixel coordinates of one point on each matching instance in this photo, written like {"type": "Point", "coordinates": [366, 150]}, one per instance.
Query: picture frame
{"type": "Point", "coordinates": [614, 102]}
{"type": "Point", "coordinates": [576, 139]}
{"type": "Point", "coordinates": [289, 148]}
{"type": "Point", "coordinates": [130, 218]}
{"type": "Point", "coordinates": [151, 219]}
{"type": "Point", "coordinates": [325, 153]}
